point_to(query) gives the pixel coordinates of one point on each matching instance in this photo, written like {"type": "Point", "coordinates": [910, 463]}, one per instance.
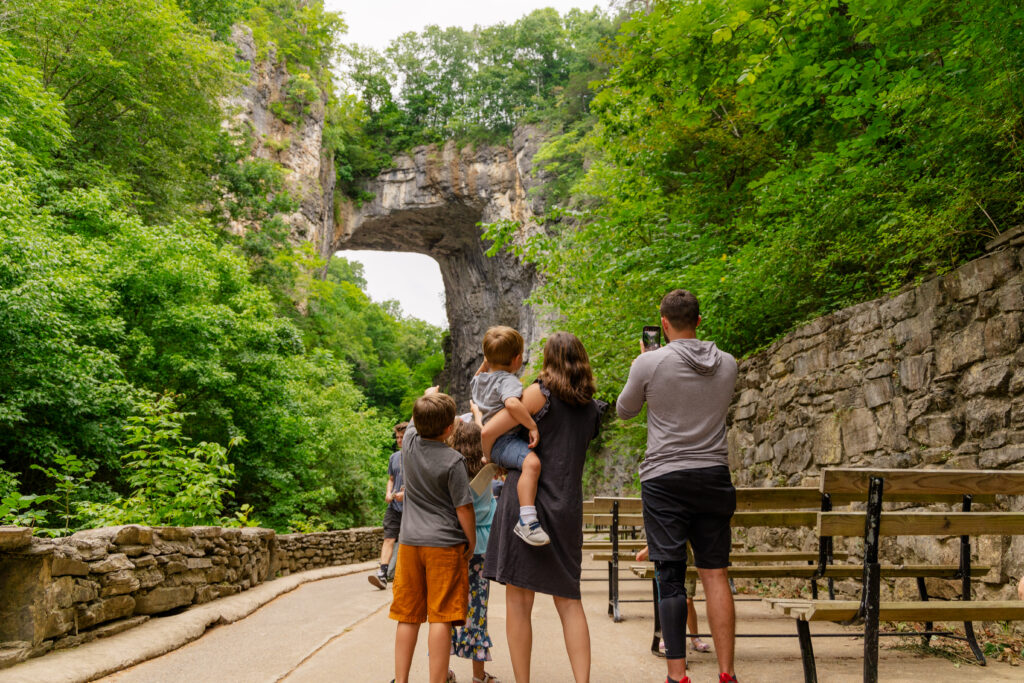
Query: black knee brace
{"type": "Point", "coordinates": [672, 607]}
{"type": "Point", "coordinates": [671, 578]}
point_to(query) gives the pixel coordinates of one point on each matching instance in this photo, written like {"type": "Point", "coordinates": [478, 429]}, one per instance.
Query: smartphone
{"type": "Point", "coordinates": [651, 337]}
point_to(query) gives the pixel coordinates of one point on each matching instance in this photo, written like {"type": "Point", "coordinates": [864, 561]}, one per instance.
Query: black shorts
{"type": "Point", "coordinates": [690, 505]}
{"type": "Point", "coordinates": [392, 522]}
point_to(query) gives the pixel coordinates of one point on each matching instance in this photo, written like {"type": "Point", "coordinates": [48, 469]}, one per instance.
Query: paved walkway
{"type": "Point", "coordinates": [338, 630]}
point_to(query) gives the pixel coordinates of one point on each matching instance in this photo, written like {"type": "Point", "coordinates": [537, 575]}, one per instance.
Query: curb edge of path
{"type": "Point", "coordinates": [161, 635]}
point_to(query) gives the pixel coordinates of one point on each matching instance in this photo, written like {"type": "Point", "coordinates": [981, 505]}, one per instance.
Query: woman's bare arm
{"type": "Point", "coordinates": [533, 399]}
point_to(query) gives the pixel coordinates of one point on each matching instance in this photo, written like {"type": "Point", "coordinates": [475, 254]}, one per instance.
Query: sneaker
{"type": "Point", "coordinates": [531, 533]}
{"type": "Point", "coordinates": [684, 679]}
{"type": "Point", "coordinates": [727, 678]}
{"type": "Point", "coordinates": [380, 580]}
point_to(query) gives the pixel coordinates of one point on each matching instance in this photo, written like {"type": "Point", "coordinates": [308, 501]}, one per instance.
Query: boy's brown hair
{"type": "Point", "coordinates": [432, 414]}
{"type": "Point", "coordinates": [502, 344]}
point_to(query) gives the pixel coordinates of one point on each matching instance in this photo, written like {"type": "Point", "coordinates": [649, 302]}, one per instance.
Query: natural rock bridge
{"type": "Point", "coordinates": [430, 202]}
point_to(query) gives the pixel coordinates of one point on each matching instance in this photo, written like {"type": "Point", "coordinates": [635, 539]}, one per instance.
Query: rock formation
{"type": "Point", "coordinates": [432, 203]}
{"type": "Point", "coordinates": [296, 145]}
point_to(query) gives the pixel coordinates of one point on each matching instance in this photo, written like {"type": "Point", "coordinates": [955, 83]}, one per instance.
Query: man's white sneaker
{"type": "Point", "coordinates": [379, 580]}
{"type": "Point", "coordinates": [531, 533]}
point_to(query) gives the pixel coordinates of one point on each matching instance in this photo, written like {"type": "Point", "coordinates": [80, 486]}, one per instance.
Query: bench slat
{"type": "Point", "coordinates": [627, 543]}
{"type": "Point", "coordinates": [782, 556]}
{"type": "Point", "coordinates": [938, 611]}
{"type": "Point", "coordinates": [899, 482]}
{"type": "Point", "coordinates": [748, 499]}
{"type": "Point", "coordinates": [924, 523]}
{"type": "Point", "coordinates": [792, 519]}
{"type": "Point", "coordinates": [804, 571]}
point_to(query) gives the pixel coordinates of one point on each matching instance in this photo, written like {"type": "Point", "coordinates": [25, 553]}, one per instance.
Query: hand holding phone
{"type": "Point", "coordinates": [651, 338]}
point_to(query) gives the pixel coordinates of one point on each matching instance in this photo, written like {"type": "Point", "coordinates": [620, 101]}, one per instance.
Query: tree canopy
{"type": "Point", "coordinates": [156, 366]}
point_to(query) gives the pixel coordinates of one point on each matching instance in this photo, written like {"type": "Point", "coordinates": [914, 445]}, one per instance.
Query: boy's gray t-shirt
{"type": "Point", "coordinates": [491, 390]}
{"type": "Point", "coordinates": [436, 483]}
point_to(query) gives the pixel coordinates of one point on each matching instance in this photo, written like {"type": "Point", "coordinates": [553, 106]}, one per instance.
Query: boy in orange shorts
{"type": "Point", "coordinates": [436, 540]}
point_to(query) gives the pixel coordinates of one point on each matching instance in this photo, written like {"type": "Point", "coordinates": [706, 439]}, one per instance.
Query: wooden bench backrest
{"type": "Point", "coordinates": [789, 519]}
{"type": "Point", "coordinates": [748, 499]}
{"type": "Point", "coordinates": [925, 523]}
{"type": "Point", "coordinates": [924, 485]}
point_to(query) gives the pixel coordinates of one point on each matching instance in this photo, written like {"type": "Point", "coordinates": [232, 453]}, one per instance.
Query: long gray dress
{"type": "Point", "coordinates": [565, 432]}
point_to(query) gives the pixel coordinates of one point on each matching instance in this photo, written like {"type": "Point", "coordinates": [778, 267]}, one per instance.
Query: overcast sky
{"type": "Point", "coordinates": [413, 279]}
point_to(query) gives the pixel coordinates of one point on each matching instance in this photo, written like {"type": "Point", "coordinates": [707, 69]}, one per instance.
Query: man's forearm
{"type": "Point", "coordinates": [631, 400]}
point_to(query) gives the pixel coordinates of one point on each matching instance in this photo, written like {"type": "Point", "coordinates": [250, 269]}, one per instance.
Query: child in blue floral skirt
{"type": "Point", "coordinates": [471, 641]}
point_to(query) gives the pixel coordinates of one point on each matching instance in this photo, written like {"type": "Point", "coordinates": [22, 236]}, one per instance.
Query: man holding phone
{"type": "Point", "coordinates": [685, 482]}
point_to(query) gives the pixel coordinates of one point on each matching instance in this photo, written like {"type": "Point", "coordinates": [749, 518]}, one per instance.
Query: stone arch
{"type": "Point", "coordinates": [432, 202]}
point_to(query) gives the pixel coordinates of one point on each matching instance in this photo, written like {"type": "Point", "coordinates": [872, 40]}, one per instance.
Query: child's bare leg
{"type": "Point", "coordinates": [527, 486]}
{"type": "Point", "coordinates": [439, 645]}
{"type": "Point", "coordinates": [405, 645]}
{"type": "Point", "coordinates": [528, 527]}
{"type": "Point", "coordinates": [478, 669]}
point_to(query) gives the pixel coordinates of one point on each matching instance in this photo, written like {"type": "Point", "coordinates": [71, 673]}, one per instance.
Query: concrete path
{"type": "Point", "coordinates": [338, 630]}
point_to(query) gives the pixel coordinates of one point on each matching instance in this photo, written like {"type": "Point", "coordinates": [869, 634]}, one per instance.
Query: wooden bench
{"type": "Point", "coordinates": [755, 507]}
{"type": "Point", "coordinates": [886, 486]}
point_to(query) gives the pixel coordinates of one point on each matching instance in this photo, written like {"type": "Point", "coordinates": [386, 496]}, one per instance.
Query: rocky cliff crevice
{"type": "Point", "coordinates": [295, 144]}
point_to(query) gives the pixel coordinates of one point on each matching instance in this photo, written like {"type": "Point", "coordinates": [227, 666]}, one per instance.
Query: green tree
{"type": "Point", "coordinates": [141, 87]}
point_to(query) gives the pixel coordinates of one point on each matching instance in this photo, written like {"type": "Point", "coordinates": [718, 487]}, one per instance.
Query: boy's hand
{"type": "Point", "coordinates": [432, 390]}
{"type": "Point", "coordinates": [400, 496]}
{"type": "Point", "coordinates": [468, 553]}
{"type": "Point", "coordinates": [534, 437]}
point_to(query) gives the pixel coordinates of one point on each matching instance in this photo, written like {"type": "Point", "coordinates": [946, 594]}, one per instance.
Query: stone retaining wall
{"type": "Point", "coordinates": [63, 592]}
{"type": "Point", "coordinates": [931, 377]}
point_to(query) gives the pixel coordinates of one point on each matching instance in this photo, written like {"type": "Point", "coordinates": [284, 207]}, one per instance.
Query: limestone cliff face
{"type": "Point", "coordinates": [297, 146]}
{"type": "Point", "coordinates": [431, 202]}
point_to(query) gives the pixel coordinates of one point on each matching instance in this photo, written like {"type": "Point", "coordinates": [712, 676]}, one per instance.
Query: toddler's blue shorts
{"type": "Point", "coordinates": [509, 451]}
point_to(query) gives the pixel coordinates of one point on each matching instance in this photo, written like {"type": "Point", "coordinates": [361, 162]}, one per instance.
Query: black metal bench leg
{"type": "Point", "coordinates": [965, 578]}
{"type": "Point", "coordinates": [973, 642]}
{"type": "Point", "coordinates": [803, 632]}
{"type": "Point", "coordinates": [870, 604]}
{"type": "Point", "coordinates": [922, 590]}
{"type": "Point", "coordinates": [613, 570]}
{"type": "Point", "coordinates": [831, 589]}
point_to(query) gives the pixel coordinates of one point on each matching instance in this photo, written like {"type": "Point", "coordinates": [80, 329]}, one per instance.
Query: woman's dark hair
{"type": "Point", "coordinates": [566, 370]}
{"type": "Point", "coordinates": [465, 439]}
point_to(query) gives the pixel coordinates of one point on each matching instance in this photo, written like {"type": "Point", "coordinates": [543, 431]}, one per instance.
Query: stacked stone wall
{"type": "Point", "coordinates": [931, 377]}
{"type": "Point", "coordinates": [299, 552]}
{"type": "Point", "coordinates": [58, 593]}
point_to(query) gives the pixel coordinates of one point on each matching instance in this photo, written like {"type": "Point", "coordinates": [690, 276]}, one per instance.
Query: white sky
{"type": "Point", "coordinates": [413, 279]}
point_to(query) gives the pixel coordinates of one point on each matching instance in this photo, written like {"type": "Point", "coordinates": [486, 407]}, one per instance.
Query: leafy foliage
{"type": "Point", "coordinates": [170, 482]}
{"type": "Point", "coordinates": [470, 85]}
{"type": "Point", "coordinates": [123, 278]}
{"type": "Point", "coordinates": [781, 159]}
{"type": "Point", "coordinates": [784, 159]}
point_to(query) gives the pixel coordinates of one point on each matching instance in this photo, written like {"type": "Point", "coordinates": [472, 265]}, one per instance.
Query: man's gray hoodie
{"type": "Point", "coordinates": [688, 386]}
